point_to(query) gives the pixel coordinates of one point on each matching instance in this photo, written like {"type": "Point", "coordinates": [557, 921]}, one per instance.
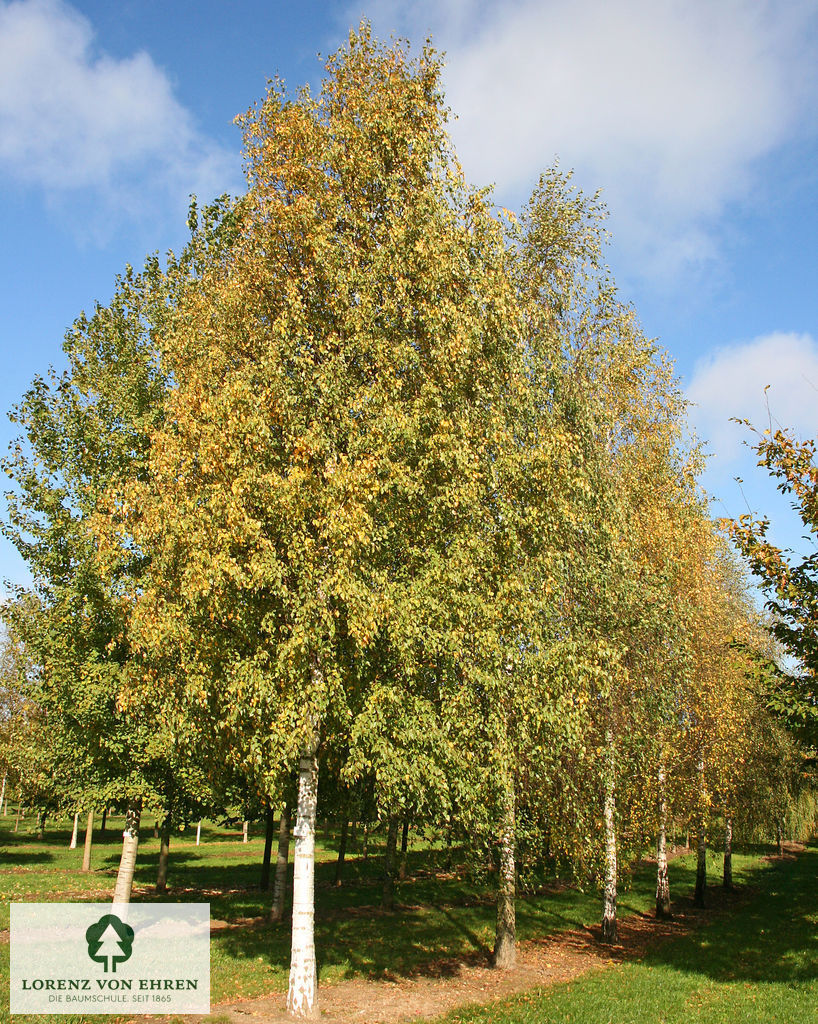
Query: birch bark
{"type": "Point", "coordinates": [662, 882]}
{"type": "Point", "coordinates": [505, 936]}
{"type": "Point", "coordinates": [302, 995]}
{"type": "Point", "coordinates": [73, 844]}
{"type": "Point", "coordinates": [701, 842]}
{"type": "Point", "coordinates": [609, 929]}
{"type": "Point", "coordinates": [127, 863]}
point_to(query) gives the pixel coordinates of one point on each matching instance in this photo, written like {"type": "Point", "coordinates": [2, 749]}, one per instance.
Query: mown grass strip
{"type": "Point", "coordinates": [756, 965]}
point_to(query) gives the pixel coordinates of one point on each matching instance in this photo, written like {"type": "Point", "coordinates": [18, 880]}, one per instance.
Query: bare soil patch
{"type": "Point", "coordinates": [790, 849]}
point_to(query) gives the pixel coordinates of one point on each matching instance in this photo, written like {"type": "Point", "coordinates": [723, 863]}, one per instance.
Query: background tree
{"type": "Point", "coordinates": [790, 584]}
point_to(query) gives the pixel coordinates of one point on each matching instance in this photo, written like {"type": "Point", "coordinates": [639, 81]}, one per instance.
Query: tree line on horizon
{"type": "Point", "coordinates": [376, 482]}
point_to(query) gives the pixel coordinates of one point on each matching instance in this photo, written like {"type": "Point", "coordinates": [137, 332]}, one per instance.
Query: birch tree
{"type": "Point", "coordinates": [332, 377]}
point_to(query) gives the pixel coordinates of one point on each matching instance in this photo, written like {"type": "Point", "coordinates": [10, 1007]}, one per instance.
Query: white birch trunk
{"type": "Point", "coordinates": [701, 841]}
{"type": "Point", "coordinates": [609, 930]}
{"type": "Point", "coordinates": [73, 844]}
{"type": "Point", "coordinates": [244, 831]}
{"type": "Point", "coordinates": [3, 793]}
{"type": "Point", "coordinates": [302, 995]}
{"type": "Point", "coordinates": [505, 936]}
{"type": "Point", "coordinates": [198, 833]}
{"type": "Point", "coordinates": [662, 881]}
{"type": "Point", "coordinates": [127, 863]}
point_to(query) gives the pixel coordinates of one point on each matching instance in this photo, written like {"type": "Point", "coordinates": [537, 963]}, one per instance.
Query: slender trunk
{"type": "Point", "coordinates": [342, 852]}
{"type": "Point", "coordinates": [505, 933]}
{"type": "Point", "coordinates": [280, 883]}
{"type": "Point", "coordinates": [609, 928]}
{"type": "Point", "coordinates": [728, 853]}
{"type": "Point", "coordinates": [127, 863]}
{"type": "Point", "coordinates": [779, 833]}
{"type": "Point", "coordinates": [701, 867]}
{"type": "Point", "coordinates": [302, 995]}
{"type": "Point", "coordinates": [366, 840]}
{"type": "Point", "coordinates": [73, 844]}
{"type": "Point", "coordinates": [404, 849]}
{"type": "Point", "coordinates": [199, 832]}
{"type": "Point", "coordinates": [19, 811]}
{"type": "Point", "coordinates": [3, 791]}
{"type": "Point", "coordinates": [41, 816]}
{"type": "Point", "coordinates": [103, 823]}
{"type": "Point", "coordinates": [269, 822]}
{"type": "Point", "coordinates": [388, 896]}
{"type": "Point", "coordinates": [156, 829]}
{"type": "Point", "coordinates": [89, 838]}
{"type": "Point", "coordinates": [404, 839]}
{"type": "Point", "coordinates": [164, 854]}
{"type": "Point", "coordinates": [701, 842]}
{"type": "Point", "coordinates": [245, 829]}
{"type": "Point", "coordinates": [662, 881]}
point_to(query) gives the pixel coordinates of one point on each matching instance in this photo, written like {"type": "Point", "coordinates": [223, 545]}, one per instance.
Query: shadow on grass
{"type": "Point", "coordinates": [772, 938]}
{"type": "Point", "coordinates": [377, 945]}
{"type": "Point", "coordinates": [24, 857]}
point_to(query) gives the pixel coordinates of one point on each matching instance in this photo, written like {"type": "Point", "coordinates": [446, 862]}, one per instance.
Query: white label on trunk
{"type": "Point", "coordinates": [98, 958]}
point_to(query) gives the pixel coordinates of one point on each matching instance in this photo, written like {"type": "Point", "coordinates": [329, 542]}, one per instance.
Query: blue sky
{"type": "Point", "coordinates": [697, 119]}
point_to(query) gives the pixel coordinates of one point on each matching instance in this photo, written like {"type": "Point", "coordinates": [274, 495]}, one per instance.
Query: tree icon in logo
{"type": "Point", "coordinates": [110, 942]}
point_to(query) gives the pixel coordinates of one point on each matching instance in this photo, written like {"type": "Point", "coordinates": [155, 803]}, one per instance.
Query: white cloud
{"type": "Point", "coordinates": [666, 104]}
{"type": "Point", "coordinates": [772, 379]}
{"type": "Point", "coordinates": [732, 382]}
{"type": "Point", "coordinates": [74, 119]}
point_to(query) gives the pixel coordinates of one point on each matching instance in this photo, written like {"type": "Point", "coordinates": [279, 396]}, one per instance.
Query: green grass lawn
{"type": "Point", "coordinates": [441, 911]}
{"type": "Point", "coordinates": [755, 965]}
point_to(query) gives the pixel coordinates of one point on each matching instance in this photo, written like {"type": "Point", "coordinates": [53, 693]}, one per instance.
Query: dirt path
{"type": "Point", "coordinates": [445, 985]}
